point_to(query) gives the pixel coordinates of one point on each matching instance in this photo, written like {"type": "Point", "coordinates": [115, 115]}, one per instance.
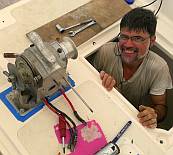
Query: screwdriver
{"type": "Point", "coordinates": [62, 130]}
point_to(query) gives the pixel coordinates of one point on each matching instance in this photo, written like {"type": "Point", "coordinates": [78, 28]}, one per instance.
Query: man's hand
{"type": "Point", "coordinates": [107, 81]}
{"type": "Point", "coordinates": [147, 116]}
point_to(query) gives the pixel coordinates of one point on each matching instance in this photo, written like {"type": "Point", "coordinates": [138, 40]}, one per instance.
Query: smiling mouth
{"type": "Point", "coordinates": [129, 50]}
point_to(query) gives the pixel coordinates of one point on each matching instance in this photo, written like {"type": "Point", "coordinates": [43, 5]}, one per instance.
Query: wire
{"type": "Point", "coordinates": [73, 131]}
{"type": "Point", "coordinates": [117, 52]}
{"type": "Point", "coordinates": [161, 1]}
{"type": "Point", "coordinates": [72, 107]}
{"type": "Point", "coordinates": [53, 110]}
{"type": "Point", "coordinates": [69, 102]}
{"type": "Point", "coordinates": [149, 4]}
{"type": "Point", "coordinates": [159, 7]}
{"type": "Point", "coordinates": [57, 111]}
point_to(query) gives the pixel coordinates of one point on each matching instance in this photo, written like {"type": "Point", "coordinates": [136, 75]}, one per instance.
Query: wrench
{"type": "Point", "coordinates": [73, 33]}
{"type": "Point", "coordinates": [62, 29]}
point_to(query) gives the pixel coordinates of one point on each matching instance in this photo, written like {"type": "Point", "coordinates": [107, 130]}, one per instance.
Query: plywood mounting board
{"type": "Point", "coordinates": [105, 12]}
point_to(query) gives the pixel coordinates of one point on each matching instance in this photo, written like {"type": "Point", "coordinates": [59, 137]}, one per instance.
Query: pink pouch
{"type": "Point", "coordinates": [90, 138]}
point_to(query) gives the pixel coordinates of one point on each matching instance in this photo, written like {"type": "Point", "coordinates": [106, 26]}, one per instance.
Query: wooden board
{"type": "Point", "coordinates": [105, 12]}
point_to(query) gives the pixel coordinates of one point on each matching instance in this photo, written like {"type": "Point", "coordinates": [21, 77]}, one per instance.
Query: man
{"type": "Point", "coordinates": [130, 66]}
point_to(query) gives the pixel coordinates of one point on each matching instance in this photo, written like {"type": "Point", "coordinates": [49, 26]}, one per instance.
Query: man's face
{"type": "Point", "coordinates": [134, 45]}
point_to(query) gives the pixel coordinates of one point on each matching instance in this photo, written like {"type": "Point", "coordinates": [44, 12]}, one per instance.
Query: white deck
{"type": "Point", "coordinates": [111, 110]}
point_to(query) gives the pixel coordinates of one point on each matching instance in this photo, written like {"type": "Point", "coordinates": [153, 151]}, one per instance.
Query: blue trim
{"type": "Point", "coordinates": [24, 117]}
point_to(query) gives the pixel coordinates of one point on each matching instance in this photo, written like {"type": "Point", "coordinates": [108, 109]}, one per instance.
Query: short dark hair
{"type": "Point", "coordinates": [140, 19]}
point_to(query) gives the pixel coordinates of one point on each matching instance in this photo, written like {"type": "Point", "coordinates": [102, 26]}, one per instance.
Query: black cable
{"type": "Point", "coordinates": [149, 4]}
{"type": "Point", "coordinates": [72, 107]}
{"type": "Point", "coordinates": [79, 118]}
{"type": "Point", "coordinates": [161, 1]}
{"type": "Point", "coordinates": [64, 114]}
{"type": "Point", "coordinates": [159, 7]}
{"type": "Point", "coordinates": [73, 131]}
{"type": "Point", "coordinates": [73, 141]}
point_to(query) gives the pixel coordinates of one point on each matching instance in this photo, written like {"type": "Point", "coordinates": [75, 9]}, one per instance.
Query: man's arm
{"type": "Point", "coordinates": [159, 105]}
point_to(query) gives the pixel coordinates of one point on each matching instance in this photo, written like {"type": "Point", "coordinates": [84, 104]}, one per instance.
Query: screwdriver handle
{"type": "Point", "coordinates": [10, 55]}
{"type": "Point", "coordinates": [62, 126]}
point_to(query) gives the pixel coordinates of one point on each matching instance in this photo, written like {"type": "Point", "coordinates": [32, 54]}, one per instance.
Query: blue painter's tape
{"type": "Point", "coordinates": [34, 110]}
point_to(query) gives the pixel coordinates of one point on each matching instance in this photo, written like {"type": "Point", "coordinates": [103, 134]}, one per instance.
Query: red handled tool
{"type": "Point", "coordinates": [62, 130]}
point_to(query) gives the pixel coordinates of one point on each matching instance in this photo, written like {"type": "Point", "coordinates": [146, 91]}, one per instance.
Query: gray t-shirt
{"type": "Point", "coordinates": [152, 76]}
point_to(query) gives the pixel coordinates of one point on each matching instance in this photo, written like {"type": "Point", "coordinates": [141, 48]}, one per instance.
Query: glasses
{"type": "Point", "coordinates": [135, 39]}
